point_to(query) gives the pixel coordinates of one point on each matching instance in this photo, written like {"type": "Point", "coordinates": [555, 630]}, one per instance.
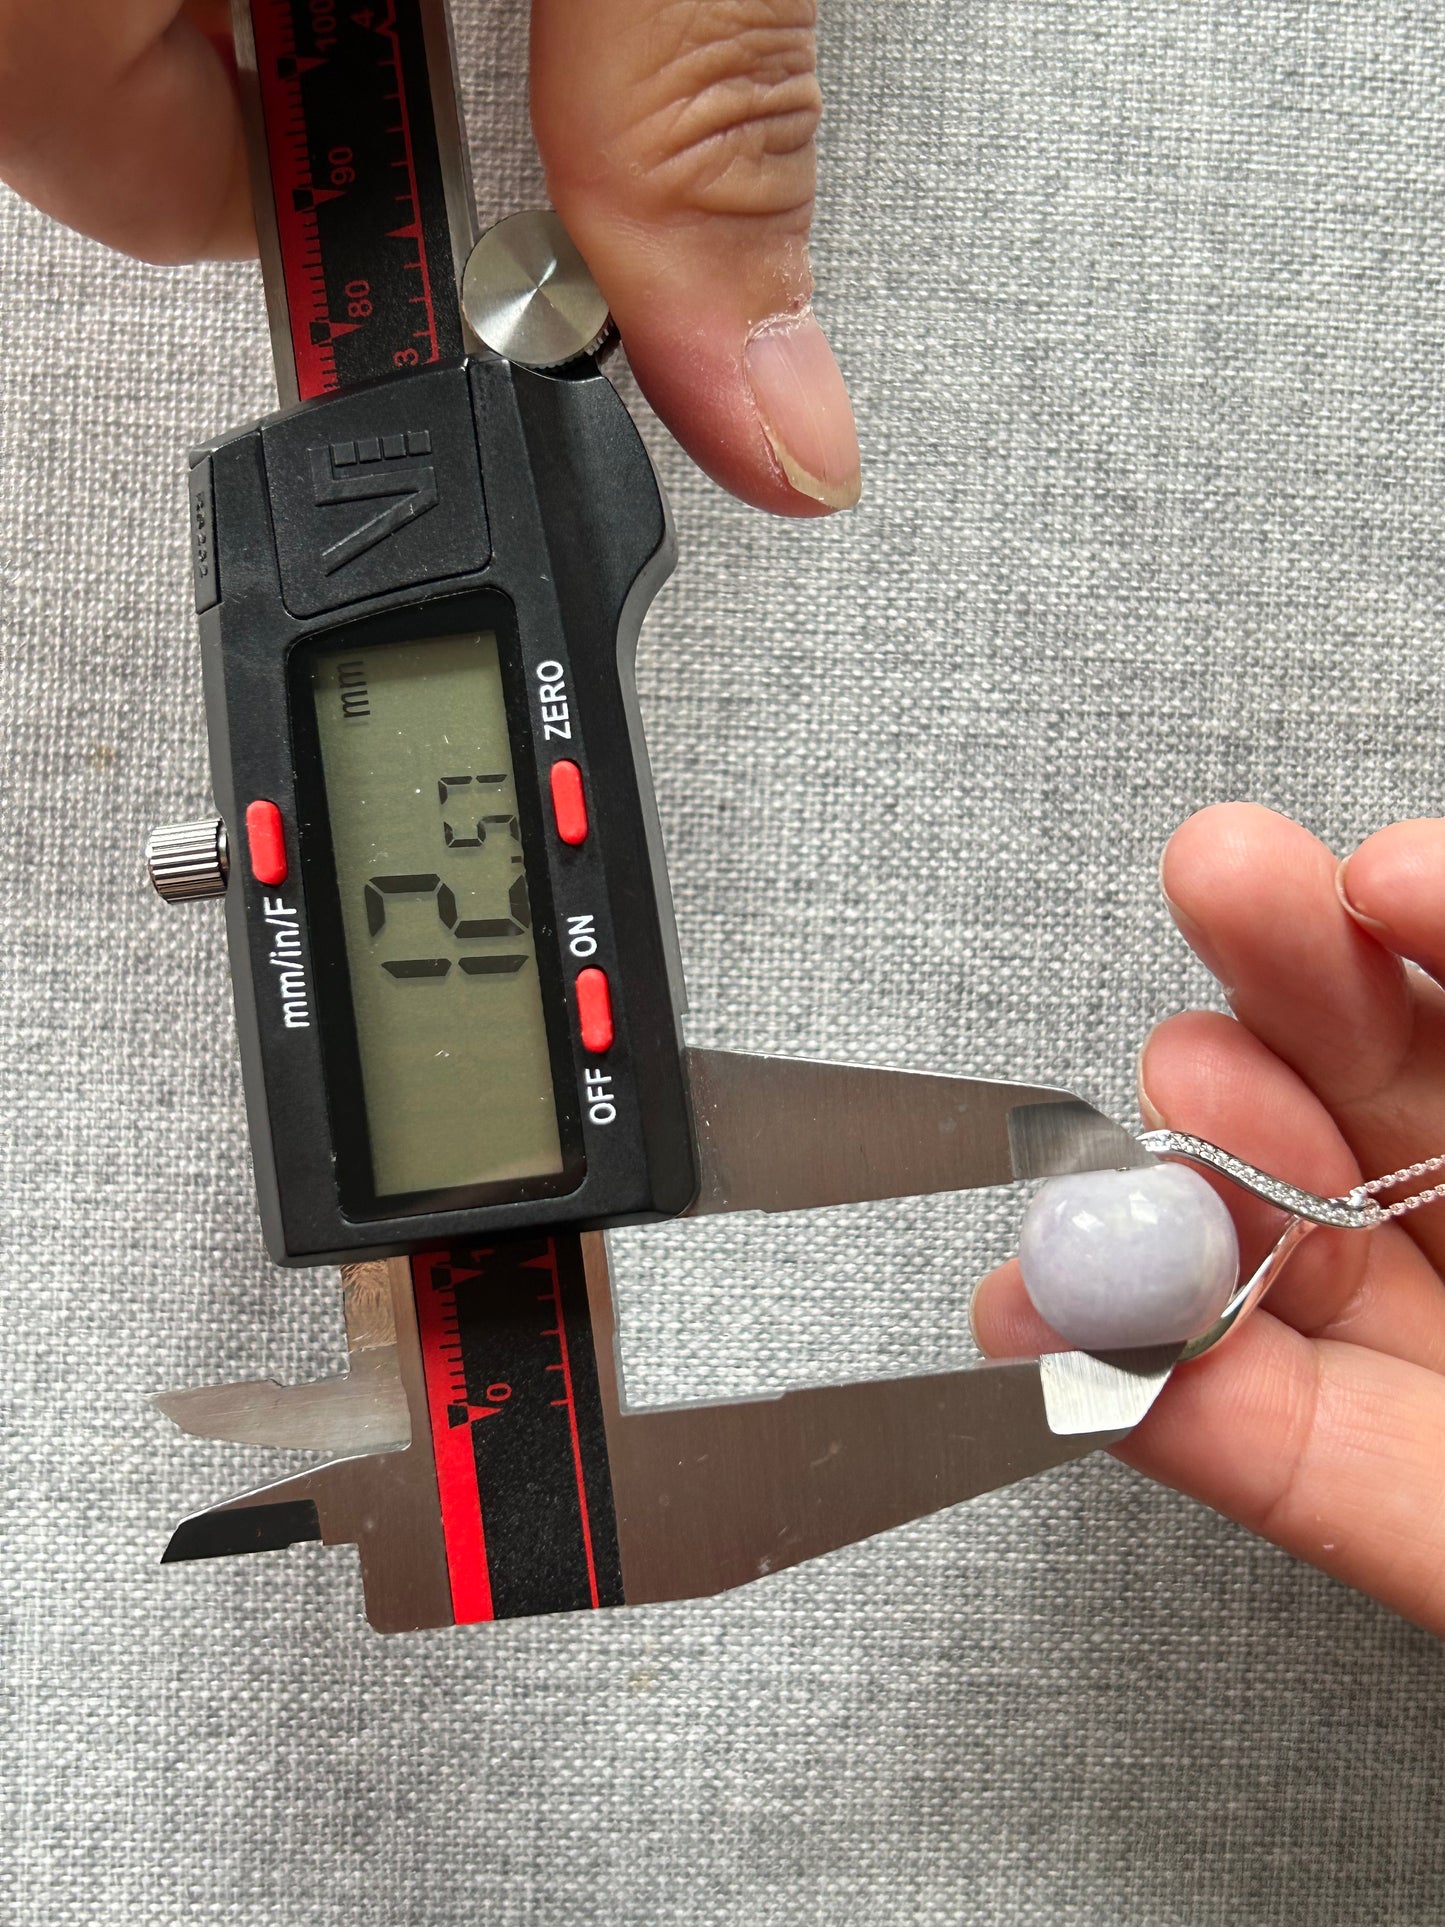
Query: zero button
{"type": "Point", "coordinates": [569, 803]}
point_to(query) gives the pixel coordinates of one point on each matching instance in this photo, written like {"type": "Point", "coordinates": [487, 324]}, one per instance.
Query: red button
{"type": "Point", "coordinates": [594, 1010]}
{"type": "Point", "coordinates": [569, 805]}
{"type": "Point", "coordinates": [266, 840]}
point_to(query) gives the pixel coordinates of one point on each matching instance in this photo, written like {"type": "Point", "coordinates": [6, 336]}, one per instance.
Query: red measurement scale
{"type": "Point", "coordinates": [361, 225]}
{"type": "Point", "coordinates": [503, 1400]}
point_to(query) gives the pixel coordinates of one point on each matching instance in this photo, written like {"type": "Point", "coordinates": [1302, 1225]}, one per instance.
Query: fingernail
{"type": "Point", "coordinates": [804, 409]}
{"type": "Point", "coordinates": [1153, 1117]}
{"type": "Point", "coordinates": [972, 1322]}
{"type": "Point", "coordinates": [1194, 936]}
{"type": "Point", "coordinates": [1342, 891]}
{"type": "Point", "coordinates": [1200, 945]}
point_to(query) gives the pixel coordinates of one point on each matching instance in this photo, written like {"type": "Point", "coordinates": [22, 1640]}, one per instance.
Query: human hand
{"type": "Point", "coordinates": [678, 148]}
{"type": "Point", "coordinates": [1321, 1422]}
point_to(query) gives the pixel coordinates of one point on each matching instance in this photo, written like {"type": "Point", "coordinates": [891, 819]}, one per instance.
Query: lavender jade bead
{"type": "Point", "coordinates": [1115, 1259]}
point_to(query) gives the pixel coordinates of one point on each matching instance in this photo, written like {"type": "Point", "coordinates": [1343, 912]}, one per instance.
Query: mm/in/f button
{"type": "Point", "coordinates": [266, 842]}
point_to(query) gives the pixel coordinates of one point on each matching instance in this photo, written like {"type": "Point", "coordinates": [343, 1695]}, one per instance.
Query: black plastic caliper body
{"type": "Point", "coordinates": [455, 972]}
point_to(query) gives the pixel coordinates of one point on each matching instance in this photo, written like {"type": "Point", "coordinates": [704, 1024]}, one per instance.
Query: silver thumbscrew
{"type": "Point", "coordinates": [187, 861]}
{"type": "Point", "coordinates": [528, 295]}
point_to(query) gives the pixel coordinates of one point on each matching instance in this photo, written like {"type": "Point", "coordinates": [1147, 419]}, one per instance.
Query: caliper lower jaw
{"type": "Point", "coordinates": [383, 1501]}
{"type": "Point", "coordinates": [701, 1498]}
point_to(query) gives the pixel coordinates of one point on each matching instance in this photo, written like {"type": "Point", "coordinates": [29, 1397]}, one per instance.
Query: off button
{"type": "Point", "coordinates": [594, 1011]}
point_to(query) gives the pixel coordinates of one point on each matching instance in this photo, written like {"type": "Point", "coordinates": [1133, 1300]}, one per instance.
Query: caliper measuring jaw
{"type": "Point", "coordinates": [485, 1462]}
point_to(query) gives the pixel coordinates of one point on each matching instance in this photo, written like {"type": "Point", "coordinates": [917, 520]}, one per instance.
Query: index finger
{"type": "Point", "coordinates": [122, 121]}
{"type": "Point", "coordinates": [1256, 896]}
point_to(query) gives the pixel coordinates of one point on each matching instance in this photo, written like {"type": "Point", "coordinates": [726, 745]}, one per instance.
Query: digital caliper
{"type": "Point", "coordinates": [456, 979]}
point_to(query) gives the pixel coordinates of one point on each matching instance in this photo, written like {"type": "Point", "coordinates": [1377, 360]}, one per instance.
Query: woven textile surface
{"type": "Point", "coordinates": [1141, 304]}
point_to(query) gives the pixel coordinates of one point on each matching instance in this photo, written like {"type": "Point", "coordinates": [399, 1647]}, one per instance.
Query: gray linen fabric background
{"type": "Point", "coordinates": [1141, 304]}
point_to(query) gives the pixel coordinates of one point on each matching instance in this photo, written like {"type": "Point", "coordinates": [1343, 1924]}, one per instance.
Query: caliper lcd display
{"type": "Point", "coordinates": [421, 797]}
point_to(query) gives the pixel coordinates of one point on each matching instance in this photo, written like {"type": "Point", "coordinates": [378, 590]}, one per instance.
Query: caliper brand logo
{"type": "Point", "coordinates": [378, 468]}
{"type": "Point", "coordinates": [353, 483]}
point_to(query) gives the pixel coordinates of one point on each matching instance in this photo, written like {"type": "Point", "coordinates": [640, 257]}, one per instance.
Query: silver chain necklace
{"type": "Point", "coordinates": [1407, 1174]}
{"type": "Point", "coordinates": [1356, 1210]}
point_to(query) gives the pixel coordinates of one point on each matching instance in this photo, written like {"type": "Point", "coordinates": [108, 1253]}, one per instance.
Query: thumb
{"type": "Point", "coordinates": [678, 146]}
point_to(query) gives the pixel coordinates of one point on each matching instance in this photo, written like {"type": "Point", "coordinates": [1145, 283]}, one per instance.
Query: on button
{"type": "Point", "coordinates": [594, 1010]}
